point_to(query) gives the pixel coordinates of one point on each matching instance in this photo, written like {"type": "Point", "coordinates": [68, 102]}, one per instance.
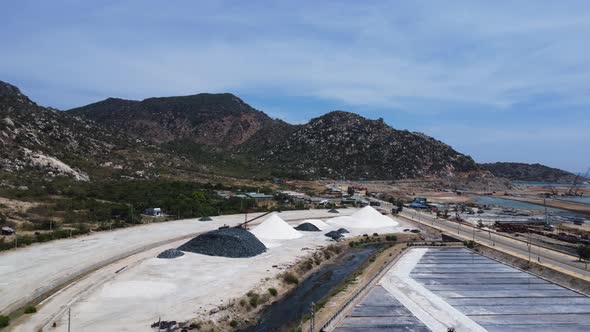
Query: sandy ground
{"type": "Point", "coordinates": [428, 307]}
{"type": "Point", "coordinates": [178, 289]}
{"type": "Point", "coordinates": [29, 272]}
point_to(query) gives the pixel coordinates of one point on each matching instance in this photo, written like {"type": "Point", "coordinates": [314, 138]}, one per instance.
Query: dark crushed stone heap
{"type": "Point", "coordinates": [227, 242]}
{"type": "Point", "coordinates": [335, 235]}
{"type": "Point", "coordinates": [307, 227]}
{"type": "Point", "coordinates": [343, 231]}
{"type": "Point", "coordinates": [170, 253]}
{"type": "Point", "coordinates": [205, 219]}
{"type": "Point", "coordinates": [333, 211]}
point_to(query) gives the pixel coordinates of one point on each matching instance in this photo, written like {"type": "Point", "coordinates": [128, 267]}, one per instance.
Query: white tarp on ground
{"type": "Point", "coordinates": [367, 217]}
{"type": "Point", "coordinates": [275, 228]}
{"type": "Point", "coordinates": [317, 223]}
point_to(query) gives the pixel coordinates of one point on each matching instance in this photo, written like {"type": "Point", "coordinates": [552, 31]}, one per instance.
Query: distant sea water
{"type": "Point", "coordinates": [508, 203]}
{"type": "Point", "coordinates": [511, 204]}
{"type": "Point", "coordinates": [547, 184]}
{"type": "Point", "coordinates": [583, 199]}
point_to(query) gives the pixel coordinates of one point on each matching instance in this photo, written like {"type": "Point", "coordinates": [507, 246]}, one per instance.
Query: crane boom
{"type": "Point", "coordinates": [573, 190]}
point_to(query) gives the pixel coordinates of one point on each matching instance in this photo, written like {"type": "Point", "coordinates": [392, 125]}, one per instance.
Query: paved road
{"type": "Point", "coordinates": [492, 239]}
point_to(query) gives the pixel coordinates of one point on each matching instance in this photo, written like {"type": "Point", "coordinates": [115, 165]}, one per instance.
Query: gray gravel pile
{"type": "Point", "coordinates": [307, 227]}
{"type": "Point", "coordinates": [170, 253]}
{"type": "Point", "coordinates": [205, 219]}
{"type": "Point", "coordinates": [342, 231]}
{"type": "Point", "coordinates": [335, 235]}
{"type": "Point", "coordinates": [227, 242]}
{"type": "Point", "coordinates": [333, 211]}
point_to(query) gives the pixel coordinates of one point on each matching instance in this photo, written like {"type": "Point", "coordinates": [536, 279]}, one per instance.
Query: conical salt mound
{"type": "Point", "coordinates": [275, 228]}
{"type": "Point", "coordinates": [368, 212]}
{"type": "Point", "coordinates": [317, 223]}
{"type": "Point", "coordinates": [366, 217]}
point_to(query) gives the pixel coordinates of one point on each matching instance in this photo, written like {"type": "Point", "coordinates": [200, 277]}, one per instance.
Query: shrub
{"type": "Point", "coordinates": [4, 321]}
{"type": "Point", "coordinates": [391, 238]}
{"type": "Point", "coordinates": [273, 291]}
{"type": "Point", "coordinates": [242, 303]}
{"type": "Point", "coordinates": [233, 323]}
{"type": "Point", "coordinates": [254, 301]}
{"type": "Point", "coordinates": [306, 266]}
{"type": "Point", "coordinates": [290, 278]}
{"type": "Point", "coordinates": [30, 310]}
{"type": "Point", "coordinates": [469, 244]}
{"type": "Point", "coordinates": [334, 248]}
{"type": "Point", "coordinates": [583, 252]}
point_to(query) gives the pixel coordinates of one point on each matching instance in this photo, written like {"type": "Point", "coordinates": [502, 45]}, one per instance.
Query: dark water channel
{"type": "Point", "coordinates": [289, 311]}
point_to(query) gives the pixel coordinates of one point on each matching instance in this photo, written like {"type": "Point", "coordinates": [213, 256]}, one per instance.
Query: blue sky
{"type": "Point", "coordinates": [498, 80]}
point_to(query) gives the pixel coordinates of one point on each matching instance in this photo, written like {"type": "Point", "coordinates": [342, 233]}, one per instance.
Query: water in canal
{"type": "Point", "coordinates": [289, 311]}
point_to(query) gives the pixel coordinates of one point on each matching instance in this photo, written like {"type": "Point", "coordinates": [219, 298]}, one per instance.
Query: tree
{"type": "Point", "coordinates": [584, 252]}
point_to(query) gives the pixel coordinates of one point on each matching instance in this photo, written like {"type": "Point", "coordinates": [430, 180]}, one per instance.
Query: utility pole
{"type": "Point", "coordinates": [529, 247]}
{"type": "Point", "coordinates": [311, 328]}
{"type": "Point", "coordinates": [69, 318]}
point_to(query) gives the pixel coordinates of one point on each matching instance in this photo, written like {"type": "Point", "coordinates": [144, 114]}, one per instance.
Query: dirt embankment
{"type": "Point", "coordinates": [244, 311]}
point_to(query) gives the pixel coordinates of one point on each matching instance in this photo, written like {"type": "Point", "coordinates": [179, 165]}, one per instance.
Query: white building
{"type": "Point", "coordinates": [154, 212]}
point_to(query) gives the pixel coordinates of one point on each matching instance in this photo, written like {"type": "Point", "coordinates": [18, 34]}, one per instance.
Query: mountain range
{"type": "Point", "coordinates": [210, 134]}
{"type": "Point", "coordinates": [530, 172]}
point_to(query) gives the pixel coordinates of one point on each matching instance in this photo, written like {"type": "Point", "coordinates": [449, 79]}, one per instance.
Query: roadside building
{"type": "Point", "coordinates": [224, 194]}
{"type": "Point", "coordinates": [7, 231]}
{"type": "Point", "coordinates": [261, 199]}
{"type": "Point", "coordinates": [154, 212]}
{"type": "Point", "coordinates": [421, 200]}
{"type": "Point", "coordinates": [416, 205]}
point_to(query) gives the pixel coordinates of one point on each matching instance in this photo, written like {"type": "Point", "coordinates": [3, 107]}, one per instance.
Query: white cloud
{"type": "Point", "coordinates": [360, 54]}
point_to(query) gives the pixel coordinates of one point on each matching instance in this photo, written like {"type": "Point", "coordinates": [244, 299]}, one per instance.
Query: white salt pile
{"type": "Point", "coordinates": [275, 228]}
{"type": "Point", "coordinates": [366, 217]}
{"type": "Point", "coordinates": [317, 223]}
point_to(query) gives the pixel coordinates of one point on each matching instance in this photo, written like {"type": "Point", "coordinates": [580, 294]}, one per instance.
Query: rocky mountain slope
{"type": "Point", "coordinates": [221, 121]}
{"type": "Point", "coordinates": [336, 145]}
{"type": "Point", "coordinates": [346, 145]}
{"type": "Point", "coordinates": [213, 134]}
{"type": "Point", "coordinates": [529, 172]}
{"type": "Point", "coordinates": [49, 142]}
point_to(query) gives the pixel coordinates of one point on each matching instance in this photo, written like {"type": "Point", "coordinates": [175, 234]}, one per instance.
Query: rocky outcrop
{"type": "Point", "coordinates": [345, 145]}
{"type": "Point", "coordinates": [48, 142]}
